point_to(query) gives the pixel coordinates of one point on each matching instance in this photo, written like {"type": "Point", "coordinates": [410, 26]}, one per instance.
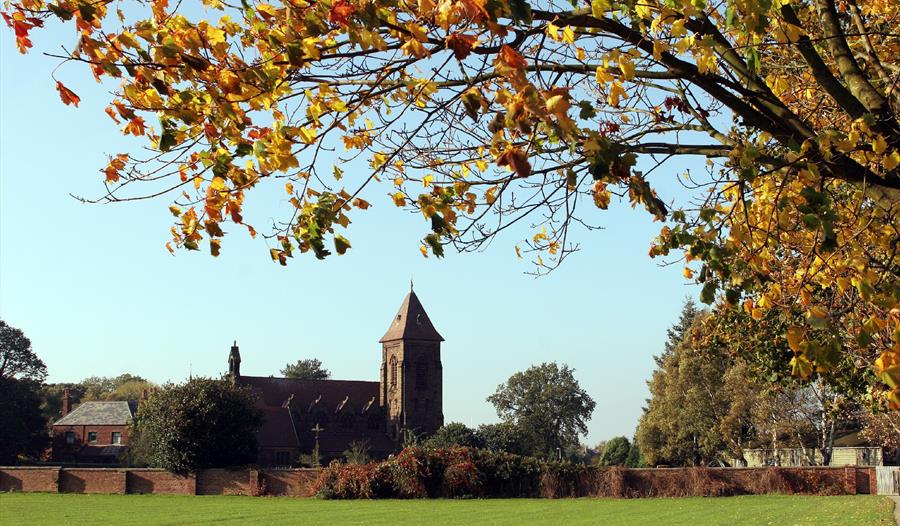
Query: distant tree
{"type": "Point", "coordinates": [17, 360]}
{"type": "Point", "coordinates": [503, 436]}
{"type": "Point", "coordinates": [682, 423]}
{"type": "Point", "coordinates": [358, 452]}
{"type": "Point", "coordinates": [676, 333]}
{"type": "Point", "coordinates": [616, 452]}
{"type": "Point", "coordinates": [123, 387]}
{"type": "Point", "coordinates": [309, 369]}
{"type": "Point", "coordinates": [52, 395]}
{"type": "Point", "coordinates": [200, 424]}
{"type": "Point", "coordinates": [547, 405]}
{"type": "Point", "coordinates": [634, 459]}
{"type": "Point", "coordinates": [882, 429]}
{"type": "Point", "coordinates": [24, 429]}
{"type": "Point", "coordinates": [454, 434]}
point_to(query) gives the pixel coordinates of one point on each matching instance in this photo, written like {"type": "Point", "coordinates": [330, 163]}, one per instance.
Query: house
{"type": "Point", "coordinates": [93, 432]}
{"type": "Point", "coordinates": [301, 416]}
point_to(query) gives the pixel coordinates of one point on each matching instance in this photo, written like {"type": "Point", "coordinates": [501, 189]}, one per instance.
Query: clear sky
{"type": "Point", "coordinates": [98, 294]}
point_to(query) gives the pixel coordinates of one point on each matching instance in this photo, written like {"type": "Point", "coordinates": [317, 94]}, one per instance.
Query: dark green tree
{"type": "Point", "coordinates": [547, 405]}
{"type": "Point", "coordinates": [309, 369]}
{"type": "Point", "coordinates": [502, 436]}
{"type": "Point", "coordinates": [200, 424]}
{"type": "Point", "coordinates": [17, 360]}
{"type": "Point", "coordinates": [24, 429]}
{"type": "Point", "coordinates": [454, 434]}
{"type": "Point", "coordinates": [634, 459]}
{"type": "Point", "coordinates": [676, 333]}
{"type": "Point", "coordinates": [616, 452]}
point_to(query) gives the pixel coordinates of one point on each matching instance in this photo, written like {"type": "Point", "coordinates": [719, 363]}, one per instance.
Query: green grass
{"type": "Point", "coordinates": [34, 509]}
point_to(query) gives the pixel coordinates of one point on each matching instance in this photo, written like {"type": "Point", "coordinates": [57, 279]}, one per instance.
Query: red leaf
{"type": "Point", "coordinates": [68, 96]}
{"type": "Point", "coordinates": [517, 160]}
{"type": "Point", "coordinates": [461, 45]}
{"type": "Point", "coordinates": [340, 12]}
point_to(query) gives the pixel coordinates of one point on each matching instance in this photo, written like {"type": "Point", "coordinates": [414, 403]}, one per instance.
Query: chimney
{"type": "Point", "coordinates": [144, 394]}
{"type": "Point", "coordinates": [66, 401]}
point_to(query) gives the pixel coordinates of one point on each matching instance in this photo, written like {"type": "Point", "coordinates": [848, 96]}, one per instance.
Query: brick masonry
{"type": "Point", "coordinates": [300, 482]}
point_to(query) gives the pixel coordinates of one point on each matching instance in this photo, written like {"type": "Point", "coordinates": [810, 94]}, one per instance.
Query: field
{"type": "Point", "coordinates": [35, 509]}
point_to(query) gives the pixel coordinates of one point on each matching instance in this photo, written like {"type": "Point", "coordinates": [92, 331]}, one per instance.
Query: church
{"type": "Point", "coordinates": [300, 414]}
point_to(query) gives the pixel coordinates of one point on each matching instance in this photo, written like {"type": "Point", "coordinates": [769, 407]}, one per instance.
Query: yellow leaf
{"type": "Point", "coordinates": [794, 337]}
{"type": "Point", "coordinates": [289, 188]}
{"type": "Point", "coordinates": [399, 199]}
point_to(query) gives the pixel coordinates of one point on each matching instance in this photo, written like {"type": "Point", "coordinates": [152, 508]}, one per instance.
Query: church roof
{"type": "Point", "coordinates": [326, 394]}
{"type": "Point", "coordinates": [98, 414]}
{"type": "Point", "coordinates": [411, 323]}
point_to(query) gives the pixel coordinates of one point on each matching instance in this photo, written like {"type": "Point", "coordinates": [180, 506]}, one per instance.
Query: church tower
{"type": "Point", "coordinates": [411, 372]}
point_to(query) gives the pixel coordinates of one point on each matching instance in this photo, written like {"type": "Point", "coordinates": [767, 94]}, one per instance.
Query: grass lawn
{"type": "Point", "coordinates": [33, 509]}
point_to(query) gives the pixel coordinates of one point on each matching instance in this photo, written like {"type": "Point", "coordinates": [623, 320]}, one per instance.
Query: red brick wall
{"type": "Point", "coordinates": [294, 482]}
{"type": "Point", "coordinates": [612, 482]}
{"type": "Point", "coordinates": [159, 481]}
{"type": "Point", "coordinates": [29, 479]}
{"type": "Point", "coordinates": [92, 480]}
{"type": "Point", "coordinates": [224, 482]}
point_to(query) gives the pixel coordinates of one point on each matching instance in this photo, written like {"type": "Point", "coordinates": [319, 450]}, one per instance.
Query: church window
{"type": "Point", "coordinates": [416, 403]}
{"type": "Point", "coordinates": [282, 458]}
{"type": "Point", "coordinates": [393, 370]}
{"type": "Point", "coordinates": [422, 373]}
{"type": "Point", "coordinates": [116, 438]}
{"type": "Point", "coordinates": [92, 437]}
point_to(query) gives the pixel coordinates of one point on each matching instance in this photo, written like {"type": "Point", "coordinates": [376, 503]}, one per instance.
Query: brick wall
{"type": "Point", "coordinates": [29, 479]}
{"type": "Point", "coordinates": [159, 481]}
{"type": "Point", "coordinates": [224, 482]}
{"type": "Point", "coordinates": [91, 480]}
{"type": "Point", "coordinates": [611, 482]}
{"type": "Point", "coordinates": [293, 482]}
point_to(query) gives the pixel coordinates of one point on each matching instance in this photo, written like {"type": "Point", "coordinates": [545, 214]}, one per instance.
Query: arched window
{"type": "Point", "coordinates": [422, 373]}
{"type": "Point", "coordinates": [393, 370]}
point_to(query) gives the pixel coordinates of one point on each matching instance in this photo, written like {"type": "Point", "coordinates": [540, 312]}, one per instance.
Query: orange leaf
{"type": "Point", "coordinates": [512, 58]}
{"type": "Point", "coordinates": [68, 96]}
{"type": "Point", "coordinates": [340, 12]}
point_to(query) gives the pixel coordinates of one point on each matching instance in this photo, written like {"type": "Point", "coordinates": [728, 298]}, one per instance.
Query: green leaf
{"type": "Point", "coordinates": [708, 294]}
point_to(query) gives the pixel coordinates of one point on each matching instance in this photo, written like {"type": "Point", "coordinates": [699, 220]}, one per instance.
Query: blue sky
{"type": "Point", "coordinates": [98, 294]}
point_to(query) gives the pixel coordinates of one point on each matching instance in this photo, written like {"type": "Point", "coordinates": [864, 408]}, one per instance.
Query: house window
{"type": "Point", "coordinates": [282, 458]}
{"type": "Point", "coordinates": [116, 438]}
{"type": "Point", "coordinates": [70, 437]}
{"type": "Point", "coordinates": [92, 437]}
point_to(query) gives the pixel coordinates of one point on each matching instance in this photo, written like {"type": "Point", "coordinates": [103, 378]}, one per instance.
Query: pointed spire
{"type": "Point", "coordinates": [411, 322]}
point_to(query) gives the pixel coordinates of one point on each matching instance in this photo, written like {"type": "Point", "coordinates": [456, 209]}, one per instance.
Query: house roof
{"type": "Point", "coordinates": [411, 323]}
{"type": "Point", "coordinates": [98, 414]}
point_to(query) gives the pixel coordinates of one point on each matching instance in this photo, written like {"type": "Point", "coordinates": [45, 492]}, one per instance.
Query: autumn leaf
{"type": "Point", "coordinates": [461, 45]}
{"type": "Point", "coordinates": [68, 96]}
{"type": "Point", "coordinates": [511, 58]}
{"type": "Point", "coordinates": [340, 12]}
{"type": "Point", "coordinates": [516, 160]}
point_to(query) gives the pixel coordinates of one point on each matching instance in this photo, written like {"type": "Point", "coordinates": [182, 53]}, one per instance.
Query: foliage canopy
{"type": "Point", "coordinates": [546, 405]}
{"type": "Point", "coordinates": [17, 360]}
{"type": "Point", "coordinates": [481, 113]}
{"type": "Point", "coordinates": [200, 424]}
